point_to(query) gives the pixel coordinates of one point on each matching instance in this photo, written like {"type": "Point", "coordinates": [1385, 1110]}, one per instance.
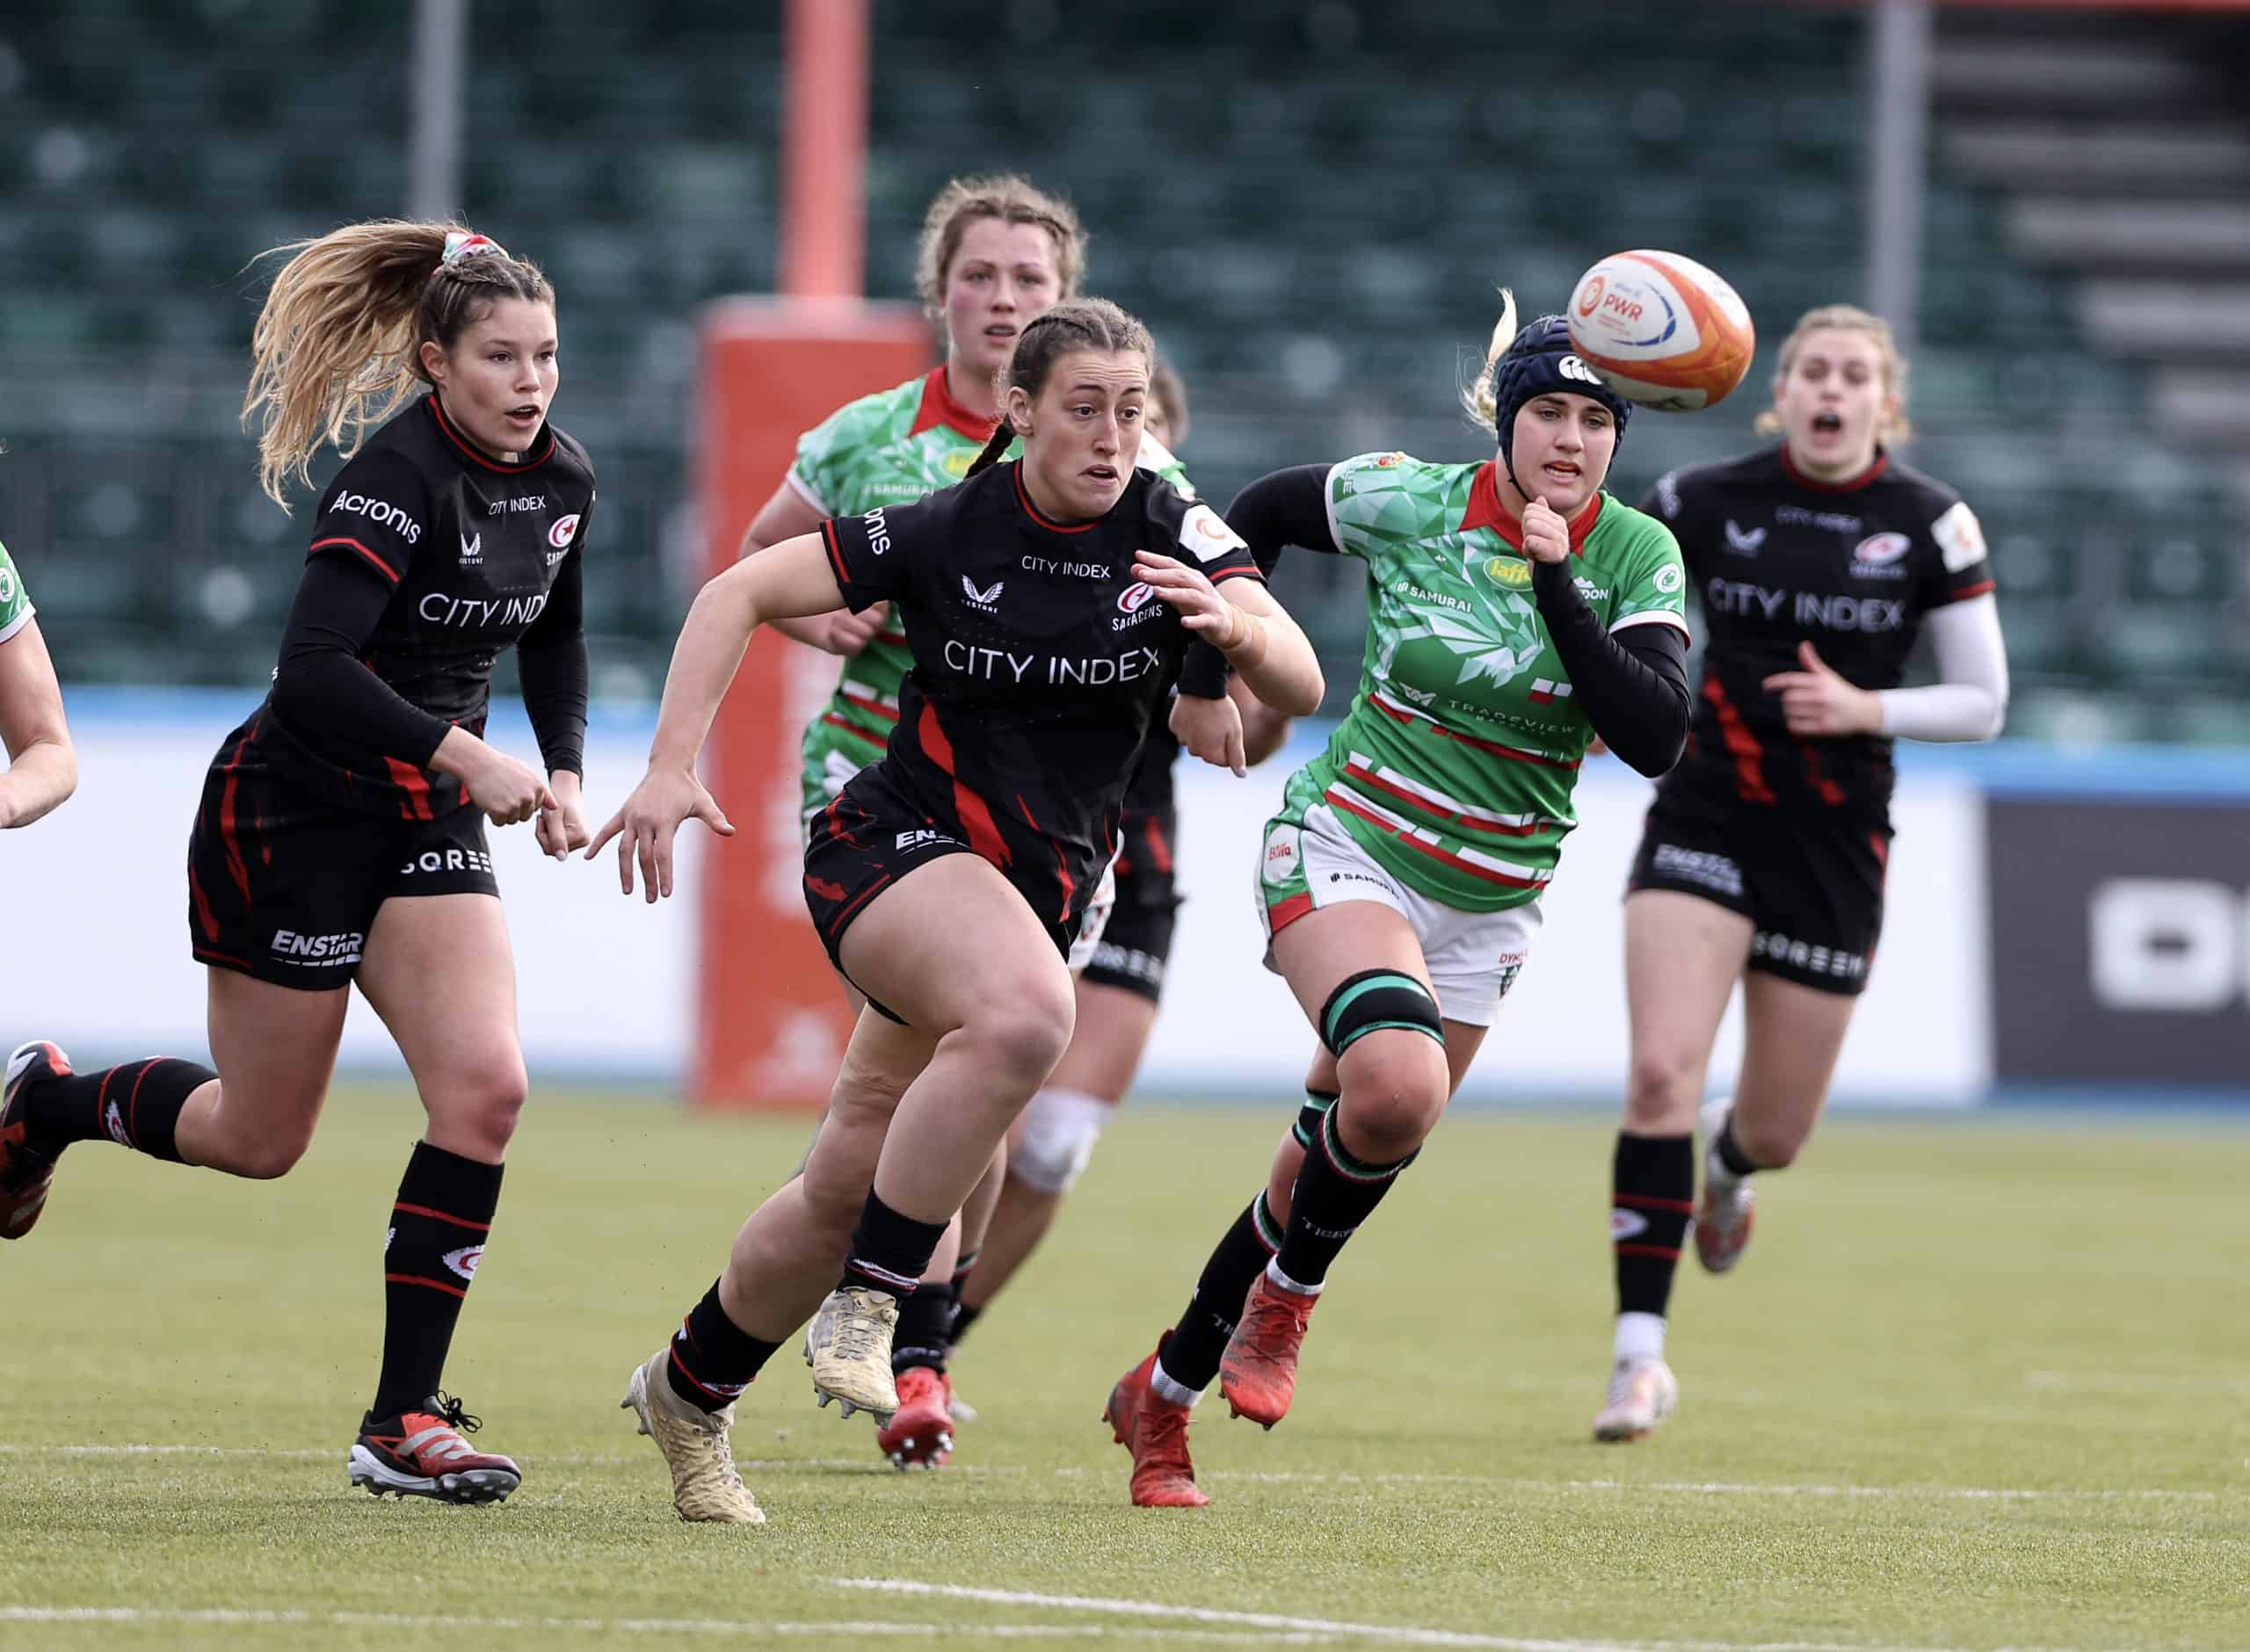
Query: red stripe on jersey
{"type": "Point", "coordinates": [415, 1279]}
{"type": "Point", "coordinates": [1408, 720]}
{"type": "Point", "coordinates": [1281, 914]}
{"type": "Point", "coordinates": [1237, 573]}
{"type": "Point", "coordinates": [835, 720]}
{"type": "Point", "coordinates": [976, 819]}
{"type": "Point", "coordinates": [1374, 782]}
{"type": "Point", "coordinates": [1831, 794]}
{"type": "Point", "coordinates": [385, 569]}
{"type": "Point", "coordinates": [1031, 510]}
{"type": "Point", "coordinates": [835, 554]}
{"type": "Point", "coordinates": [415, 784]}
{"type": "Point", "coordinates": [1667, 1253]}
{"type": "Point", "coordinates": [1983, 587]}
{"type": "Point", "coordinates": [1749, 756]}
{"type": "Point", "coordinates": [240, 872]}
{"type": "Point", "coordinates": [1159, 851]}
{"type": "Point", "coordinates": [1444, 856]}
{"type": "Point", "coordinates": [1486, 510]}
{"type": "Point", "coordinates": [1882, 847]}
{"type": "Point", "coordinates": [470, 450]}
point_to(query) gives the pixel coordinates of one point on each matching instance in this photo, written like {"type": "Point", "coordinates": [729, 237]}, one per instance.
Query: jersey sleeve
{"type": "Point", "coordinates": [820, 473]}
{"type": "Point", "coordinates": [1651, 585]}
{"type": "Point", "coordinates": [888, 552]}
{"type": "Point", "coordinates": [15, 609]}
{"type": "Point", "coordinates": [1960, 568]}
{"type": "Point", "coordinates": [1206, 541]}
{"type": "Point", "coordinates": [1375, 506]}
{"type": "Point", "coordinates": [378, 510]}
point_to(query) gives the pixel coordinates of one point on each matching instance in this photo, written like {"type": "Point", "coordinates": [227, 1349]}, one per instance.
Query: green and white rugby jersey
{"type": "Point", "coordinates": [1455, 767]}
{"type": "Point", "coordinates": [15, 602]}
{"type": "Point", "coordinates": [890, 448]}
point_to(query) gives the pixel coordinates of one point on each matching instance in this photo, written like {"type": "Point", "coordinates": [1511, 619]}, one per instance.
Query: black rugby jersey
{"type": "Point", "coordinates": [1041, 662]}
{"type": "Point", "coordinates": [1778, 559]}
{"type": "Point", "coordinates": [472, 549]}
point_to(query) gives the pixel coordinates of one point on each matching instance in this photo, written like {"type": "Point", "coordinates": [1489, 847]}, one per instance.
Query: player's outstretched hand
{"type": "Point", "coordinates": [665, 800]}
{"type": "Point", "coordinates": [849, 634]}
{"type": "Point", "coordinates": [1817, 701]}
{"type": "Point", "coordinates": [1211, 729]}
{"type": "Point", "coordinates": [563, 828]}
{"type": "Point", "coordinates": [507, 790]}
{"type": "Point", "coordinates": [1201, 609]}
{"type": "Point", "coordinates": [1546, 536]}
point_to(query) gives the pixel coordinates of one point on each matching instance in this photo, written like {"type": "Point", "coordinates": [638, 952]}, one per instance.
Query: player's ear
{"type": "Point", "coordinates": [1018, 409]}
{"type": "Point", "coordinates": [433, 360]}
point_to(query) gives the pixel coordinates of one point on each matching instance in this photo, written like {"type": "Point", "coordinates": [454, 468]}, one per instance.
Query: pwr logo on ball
{"type": "Point", "coordinates": [1661, 331]}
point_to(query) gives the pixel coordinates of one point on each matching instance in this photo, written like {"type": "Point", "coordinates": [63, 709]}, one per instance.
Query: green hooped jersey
{"type": "Point", "coordinates": [892, 448]}
{"type": "Point", "coordinates": [1455, 767]}
{"type": "Point", "coordinates": [15, 601]}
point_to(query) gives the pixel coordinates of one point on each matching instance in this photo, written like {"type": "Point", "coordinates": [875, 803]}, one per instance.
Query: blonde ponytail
{"type": "Point", "coordinates": [337, 348]}
{"type": "Point", "coordinates": [1477, 400]}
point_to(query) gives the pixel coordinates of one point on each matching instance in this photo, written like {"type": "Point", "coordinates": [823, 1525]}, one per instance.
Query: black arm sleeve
{"type": "Point", "coordinates": [323, 690]}
{"type": "Point", "coordinates": [551, 659]}
{"type": "Point", "coordinates": [1286, 507]}
{"type": "Point", "coordinates": [1634, 690]}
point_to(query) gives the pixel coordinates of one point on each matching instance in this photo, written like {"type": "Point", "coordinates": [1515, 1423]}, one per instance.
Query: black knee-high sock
{"type": "Point", "coordinates": [889, 1251]}
{"type": "Point", "coordinates": [1652, 1196]}
{"type": "Point", "coordinates": [1191, 1357]}
{"type": "Point", "coordinates": [925, 1324]}
{"type": "Point", "coordinates": [1335, 1193]}
{"type": "Point", "coordinates": [1729, 1151]}
{"type": "Point", "coordinates": [712, 1359]}
{"type": "Point", "coordinates": [438, 1228]}
{"type": "Point", "coordinates": [135, 1105]}
{"type": "Point", "coordinates": [963, 1314]}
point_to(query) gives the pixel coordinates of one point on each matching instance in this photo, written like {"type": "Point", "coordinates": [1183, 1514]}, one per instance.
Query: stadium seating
{"type": "Point", "coordinates": [1310, 204]}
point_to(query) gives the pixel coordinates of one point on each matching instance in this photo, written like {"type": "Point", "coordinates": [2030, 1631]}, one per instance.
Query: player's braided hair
{"type": "Point", "coordinates": [1009, 198]}
{"type": "Point", "coordinates": [1848, 318]}
{"type": "Point", "coordinates": [1086, 323]}
{"type": "Point", "coordinates": [337, 349]}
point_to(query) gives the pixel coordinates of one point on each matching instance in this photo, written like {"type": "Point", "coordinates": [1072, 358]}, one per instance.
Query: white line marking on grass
{"type": "Point", "coordinates": [1397, 1634]}
{"type": "Point", "coordinates": [876, 1468]}
{"type": "Point", "coordinates": [150, 1617]}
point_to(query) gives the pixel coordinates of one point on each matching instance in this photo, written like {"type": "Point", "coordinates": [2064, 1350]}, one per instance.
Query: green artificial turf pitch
{"type": "Point", "coordinates": [1979, 1382]}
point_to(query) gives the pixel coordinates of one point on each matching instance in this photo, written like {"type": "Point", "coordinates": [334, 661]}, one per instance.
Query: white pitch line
{"type": "Point", "coordinates": [152, 1617]}
{"type": "Point", "coordinates": [1396, 1635]}
{"type": "Point", "coordinates": [875, 1468]}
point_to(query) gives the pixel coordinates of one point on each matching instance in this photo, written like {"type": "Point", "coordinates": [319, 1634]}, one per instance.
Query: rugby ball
{"type": "Point", "coordinates": [1661, 331]}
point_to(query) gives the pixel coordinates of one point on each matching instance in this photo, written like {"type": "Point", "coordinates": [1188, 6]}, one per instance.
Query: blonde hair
{"type": "Point", "coordinates": [1847, 318]}
{"type": "Point", "coordinates": [1009, 198]}
{"type": "Point", "coordinates": [1477, 400]}
{"type": "Point", "coordinates": [337, 349]}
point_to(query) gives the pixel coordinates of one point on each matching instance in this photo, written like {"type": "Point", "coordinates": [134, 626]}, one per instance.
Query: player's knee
{"type": "Point", "coordinates": [1059, 1130]}
{"type": "Point", "coordinates": [1660, 1087]}
{"type": "Point", "coordinates": [1392, 1100]}
{"type": "Point", "coordinates": [487, 1098]}
{"type": "Point", "coordinates": [1021, 1035]}
{"type": "Point", "coordinates": [272, 1157]}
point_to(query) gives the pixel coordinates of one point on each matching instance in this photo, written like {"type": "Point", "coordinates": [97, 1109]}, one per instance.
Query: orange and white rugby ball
{"type": "Point", "coordinates": [1661, 331]}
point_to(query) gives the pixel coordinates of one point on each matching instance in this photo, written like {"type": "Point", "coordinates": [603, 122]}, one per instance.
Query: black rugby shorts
{"type": "Point", "coordinates": [284, 887]}
{"type": "Point", "coordinates": [1809, 882]}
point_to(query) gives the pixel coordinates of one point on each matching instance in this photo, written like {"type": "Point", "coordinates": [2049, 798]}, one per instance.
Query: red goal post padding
{"type": "Point", "coordinates": [770, 1020]}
